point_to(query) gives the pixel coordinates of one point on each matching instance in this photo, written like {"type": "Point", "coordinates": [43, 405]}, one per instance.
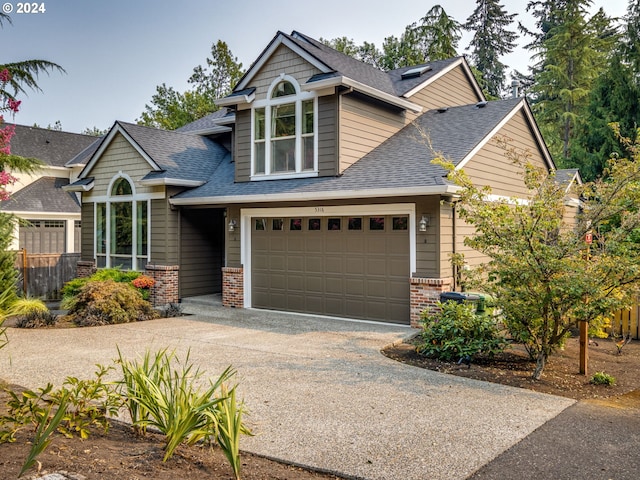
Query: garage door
{"type": "Point", "coordinates": [356, 267]}
{"type": "Point", "coordinates": [43, 236]}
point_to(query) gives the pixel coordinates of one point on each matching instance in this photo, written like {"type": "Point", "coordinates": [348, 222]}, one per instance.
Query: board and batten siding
{"type": "Point", "coordinates": [364, 126]}
{"type": "Point", "coordinates": [491, 167]}
{"type": "Point", "coordinates": [119, 156]}
{"type": "Point", "coordinates": [450, 90]}
{"type": "Point", "coordinates": [87, 231]}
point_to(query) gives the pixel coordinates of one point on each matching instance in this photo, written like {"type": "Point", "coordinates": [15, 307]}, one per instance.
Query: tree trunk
{"type": "Point", "coordinates": [540, 364]}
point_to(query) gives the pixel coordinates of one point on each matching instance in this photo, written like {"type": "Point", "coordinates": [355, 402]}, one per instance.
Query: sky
{"type": "Point", "coordinates": [115, 52]}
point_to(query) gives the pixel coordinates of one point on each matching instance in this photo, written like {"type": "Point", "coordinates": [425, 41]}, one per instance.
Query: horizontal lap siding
{"type": "Point", "coordinates": [119, 156]}
{"type": "Point", "coordinates": [363, 127]}
{"type": "Point", "coordinates": [452, 89]}
{"type": "Point", "coordinates": [490, 166]}
{"type": "Point", "coordinates": [284, 61]}
{"type": "Point", "coordinates": [243, 145]}
{"type": "Point", "coordinates": [164, 233]}
{"type": "Point", "coordinates": [327, 135]}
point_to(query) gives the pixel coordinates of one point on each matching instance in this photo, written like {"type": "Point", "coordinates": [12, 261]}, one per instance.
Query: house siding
{"type": "Point", "coordinates": [364, 126]}
{"type": "Point", "coordinates": [490, 166]}
{"type": "Point", "coordinates": [164, 233]}
{"type": "Point", "coordinates": [232, 239]}
{"type": "Point", "coordinates": [452, 89]}
{"type": "Point", "coordinates": [327, 135]}
{"type": "Point", "coordinates": [87, 230]}
{"type": "Point", "coordinates": [118, 157]}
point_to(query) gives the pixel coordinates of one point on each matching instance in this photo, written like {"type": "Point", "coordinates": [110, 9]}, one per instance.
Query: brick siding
{"type": "Point", "coordinates": [85, 268]}
{"type": "Point", "coordinates": [166, 289]}
{"type": "Point", "coordinates": [233, 287]}
{"type": "Point", "coordinates": [425, 293]}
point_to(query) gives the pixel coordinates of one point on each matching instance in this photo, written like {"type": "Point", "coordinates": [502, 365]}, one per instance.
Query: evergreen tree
{"type": "Point", "coordinates": [438, 34]}
{"type": "Point", "coordinates": [572, 55]}
{"type": "Point", "coordinates": [632, 37]}
{"type": "Point", "coordinates": [491, 40]}
{"type": "Point", "coordinates": [170, 109]}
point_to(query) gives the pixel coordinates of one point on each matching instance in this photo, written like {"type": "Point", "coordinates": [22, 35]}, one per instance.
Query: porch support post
{"type": "Point", "coordinates": [233, 287]}
{"type": "Point", "coordinates": [166, 289]}
{"type": "Point", "coordinates": [425, 293]}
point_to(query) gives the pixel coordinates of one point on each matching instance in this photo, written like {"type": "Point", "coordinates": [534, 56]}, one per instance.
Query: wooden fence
{"type": "Point", "coordinates": [626, 321]}
{"type": "Point", "coordinates": [42, 275]}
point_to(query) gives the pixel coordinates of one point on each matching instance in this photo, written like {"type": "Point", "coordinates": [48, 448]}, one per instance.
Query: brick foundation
{"type": "Point", "coordinates": [233, 287]}
{"type": "Point", "coordinates": [425, 293]}
{"type": "Point", "coordinates": [85, 268]}
{"type": "Point", "coordinates": [165, 290]}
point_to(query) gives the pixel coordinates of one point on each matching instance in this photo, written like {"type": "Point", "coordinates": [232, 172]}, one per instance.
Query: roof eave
{"type": "Point", "coordinates": [328, 195]}
{"type": "Point", "coordinates": [78, 188]}
{"type": "Point", "coordinates": [173, 182]}
{"type": "Point", "coordinates": [232, 100]}
{"type": "Point", "coordinates": [362, 88]}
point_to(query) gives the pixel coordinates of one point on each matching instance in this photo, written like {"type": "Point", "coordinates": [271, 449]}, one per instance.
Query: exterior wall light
{"type": "Point", "coordinates": [423, 224]}
{"type": "Point", "coordinates": [232, 225]}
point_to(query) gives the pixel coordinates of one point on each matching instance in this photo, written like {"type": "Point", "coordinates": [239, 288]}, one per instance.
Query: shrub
{"type": "Point", "coordinates": [37, 320]}
{"type": "Point", "coordinates": [73, 287]}
{"type": "Point", "coordinates": [172, 310]}
{"type": "Point", "coordinates": [601, 378]}
{"type": "Point", "coordinates": [108, 302]}
{"type": "Point", "coordinates": [163, 392]}
{"type": "Point", "coordinates": [456, 332]}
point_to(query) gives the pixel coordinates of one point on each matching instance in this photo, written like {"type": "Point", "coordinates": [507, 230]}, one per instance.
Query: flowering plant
{"type": "Point", "coordinates": [143, 282]}
{"type": "Point", "coordinates": [6, 103]}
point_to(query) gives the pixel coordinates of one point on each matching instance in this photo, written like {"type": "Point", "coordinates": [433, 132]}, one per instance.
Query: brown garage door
{"type": "Point", "coordinates": [356, 267]}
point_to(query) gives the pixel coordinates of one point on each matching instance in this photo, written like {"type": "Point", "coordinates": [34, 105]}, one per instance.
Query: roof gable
{"type": "Point", "coordinates": [44, 195]}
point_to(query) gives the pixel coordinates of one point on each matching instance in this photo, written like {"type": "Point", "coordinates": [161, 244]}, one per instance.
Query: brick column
{"type": "Point", "coordinates": [165, 290]}
{"type": "Point", "coordinates": [425, 293]}
{"type": "Point", "coordinates": [233, 287]}
{"type": "Point", "coordinates": [85, 268]}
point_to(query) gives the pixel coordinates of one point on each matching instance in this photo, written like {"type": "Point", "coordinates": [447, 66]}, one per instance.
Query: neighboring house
{"type": "Point", "coordinates": [312, 189]}
{"type": "Point", "coordinates": [51, 216]}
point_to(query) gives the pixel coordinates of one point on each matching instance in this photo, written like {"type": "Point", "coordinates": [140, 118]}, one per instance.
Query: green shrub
{"type": "Point", "coordinates": [108, 302]}
{"type": "Point", "coordinates": [161, 391]}
{"type": "Point", "coordinates": [456, 332]}
{"type": "Point", "coordinates": [601, 378]}
{"type": "Point", "coordinates": [72, 288]}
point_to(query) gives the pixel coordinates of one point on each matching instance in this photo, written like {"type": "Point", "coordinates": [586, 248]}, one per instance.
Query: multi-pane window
{"type": "Point", "coordinates": [121, 229]}
{"type": "Point", "coordinates": [284, 132]}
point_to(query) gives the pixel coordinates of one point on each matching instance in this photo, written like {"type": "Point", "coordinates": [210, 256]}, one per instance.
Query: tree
{"type": "Point", "coordinates": [540, 271]}
{"type": "Point", "coordinates": [438, 34]}
{"type": "Point", "coordinates": [491, 40]}
{"type": "Point", "coordinates": [94, 131]}
{"type": "Point", "coordinates": [170, 109]}
{"type": "Point", "coordinates": [572, 54]}
{"type": "Point", "coordinates": [631, 42]}
{"type": "Point", "coordinates": [24, 74]}
{"type": "Point", "coordinates": [402, 52]}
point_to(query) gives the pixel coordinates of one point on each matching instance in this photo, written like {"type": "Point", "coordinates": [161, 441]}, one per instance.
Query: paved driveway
{"type": "Point", "coordinates": [319, 391]}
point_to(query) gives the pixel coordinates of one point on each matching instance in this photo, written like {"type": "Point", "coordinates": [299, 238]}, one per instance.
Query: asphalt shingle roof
{"type": "Point", "coordinates": [83, 157]}
{"type": "Point", "coordinates": [52, 147]}
{"type": "Point", "coordinates": [404, 160]}
{"type": "Point", "coordinates": [43, 195]}
{"type": "Point", "coordinates": [180, 155]}
{"type": "Point", "coordinates": [205, 123]}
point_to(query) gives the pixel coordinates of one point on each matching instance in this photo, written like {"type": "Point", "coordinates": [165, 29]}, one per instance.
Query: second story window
{"type": "Point", "coordinates": [284, 132]}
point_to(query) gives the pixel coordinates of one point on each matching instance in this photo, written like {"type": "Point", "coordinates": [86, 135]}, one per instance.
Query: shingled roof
{"type": "Point", "coordinates": [43, 195]}
{"type": "Point", "coordinates": [400, 165]}
{"type": "Point", "coordinates": [52, 147]}
{"type": "Point", "coordinates": [172, 156]}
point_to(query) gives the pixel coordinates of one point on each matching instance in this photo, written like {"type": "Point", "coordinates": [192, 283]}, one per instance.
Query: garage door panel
{"type": "Point", "coordinates": [355, 273]}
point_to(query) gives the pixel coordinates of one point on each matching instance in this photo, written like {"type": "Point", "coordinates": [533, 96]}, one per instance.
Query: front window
{"type": "Point", "coordinates": [284, 126]}
{"type": "Point", "coordinates": [121, 238]}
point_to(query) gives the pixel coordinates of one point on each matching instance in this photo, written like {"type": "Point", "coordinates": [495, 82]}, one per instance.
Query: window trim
{"type": "Point", "coordinates": [267, 104]}
{"type": "Point", "coordinates": [107, 201]}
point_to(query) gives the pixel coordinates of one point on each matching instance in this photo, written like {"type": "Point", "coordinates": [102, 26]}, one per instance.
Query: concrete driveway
{"type": "Point", "coordinates": [319, 391]}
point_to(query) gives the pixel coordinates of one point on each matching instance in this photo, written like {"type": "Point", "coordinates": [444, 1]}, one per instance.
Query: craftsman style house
{"type": "Point", "coordinates": [311, 189]}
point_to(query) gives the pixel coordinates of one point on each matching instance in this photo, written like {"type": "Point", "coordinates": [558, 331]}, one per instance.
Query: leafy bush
{"type": "Point", "coordinates": [163, 392]}
{"type": "Point", "coordinates": [456, 332]}
{"type": "Point", "coordinates": [108, 302]}
{"type": "Point", "coordinates": [73, 287]}
{"type": "Point", "coordinates": [601, 378]}
{"type": "Point", "coordinates": [37, 320]}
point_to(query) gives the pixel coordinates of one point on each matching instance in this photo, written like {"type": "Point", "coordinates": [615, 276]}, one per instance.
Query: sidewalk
{"type": "Point", "coordinates": [319, 391]}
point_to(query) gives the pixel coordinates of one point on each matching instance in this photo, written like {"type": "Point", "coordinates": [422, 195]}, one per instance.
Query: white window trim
{"type": "Point", "coordinates": [247, 214]}
{"type": "Point", "coordinates": [269, 102]}
{"type": "Point", "coordinates": [108, 199]}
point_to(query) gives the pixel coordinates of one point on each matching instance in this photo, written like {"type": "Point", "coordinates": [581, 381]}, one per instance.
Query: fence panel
{"type": "Point", "coordinates": [45, 274]}
{"type": "Point", "coordinates": [626, 321]}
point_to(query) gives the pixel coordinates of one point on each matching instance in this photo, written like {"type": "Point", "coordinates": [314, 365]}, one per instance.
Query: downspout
{"type": "Point", "coordinates": [453, 249]}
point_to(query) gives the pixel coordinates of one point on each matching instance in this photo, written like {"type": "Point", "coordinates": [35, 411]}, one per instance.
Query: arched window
{"type": "Point", "coordinates": [284, 131]}
{"type": "Point", "coordinates": [121, 238]}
